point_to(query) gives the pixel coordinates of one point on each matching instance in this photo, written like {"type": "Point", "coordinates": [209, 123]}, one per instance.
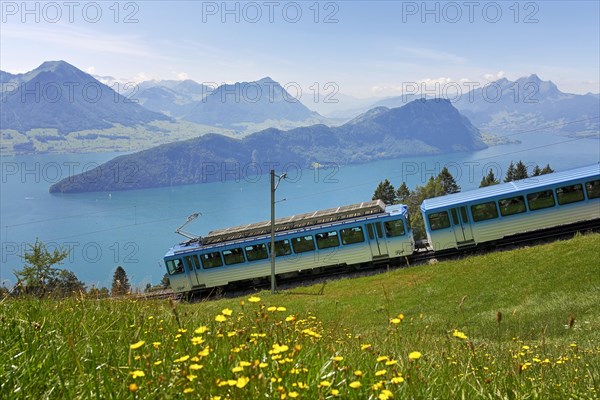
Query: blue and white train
{"type": "Point", "coordinates": [371, 232]}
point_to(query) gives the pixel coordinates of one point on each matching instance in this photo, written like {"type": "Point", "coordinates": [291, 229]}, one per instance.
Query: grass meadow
{"type": "Point", "coordinates": [519, 324]}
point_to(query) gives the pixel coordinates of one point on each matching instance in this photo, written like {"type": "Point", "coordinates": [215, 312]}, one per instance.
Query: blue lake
{"type": "Point", "coordinates": [134, 229]}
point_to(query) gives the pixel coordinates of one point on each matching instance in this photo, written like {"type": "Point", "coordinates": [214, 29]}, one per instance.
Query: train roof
{"type": "Point", "coordinates": [511, 187]}
{"type": "Point", "coordinates": [296, 221]}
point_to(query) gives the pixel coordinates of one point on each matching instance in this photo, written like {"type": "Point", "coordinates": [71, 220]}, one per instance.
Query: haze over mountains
{"type": "Point", "coordinates": [59, 108]}
{"type": "Point", "coordinates": [420, 127]}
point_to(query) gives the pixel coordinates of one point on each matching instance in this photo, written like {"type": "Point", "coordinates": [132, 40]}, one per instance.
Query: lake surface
{"type": "Point", "coordinates": [134, 229]}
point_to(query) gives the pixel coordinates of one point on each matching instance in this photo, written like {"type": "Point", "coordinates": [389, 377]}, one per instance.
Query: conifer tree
{"type": "Point", "coordinates": [510, 173]}
{"type": "Point", "coordinates": [448, 182]}
{"type": "Point", "coordinates": [120, 283]}
{"type": "Point", "coordinates": [520, 171]}
{"type": "Point", "coordinates": [489, 179]}
{"type": "Point", "coordinates": [402, 193]}
{"type": "Point", "coordinates": [546, 170]}
{"type": "Point", "coordinates": [385, 191]}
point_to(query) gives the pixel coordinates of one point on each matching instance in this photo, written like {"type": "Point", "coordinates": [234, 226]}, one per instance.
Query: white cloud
{"type": "Point", "coordinates": [90, 70]}
{"type": "Point", "coordinates": [494, 76]}
{"type": "Point", "coordinates": [181, 76]}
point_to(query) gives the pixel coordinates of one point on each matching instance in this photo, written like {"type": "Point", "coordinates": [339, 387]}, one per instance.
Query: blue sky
{"type": "Point", "coordinates": [366, 48]}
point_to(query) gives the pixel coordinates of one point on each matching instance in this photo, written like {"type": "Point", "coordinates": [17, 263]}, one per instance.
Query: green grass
{"type": "Point", "coordinates": [307, 343]}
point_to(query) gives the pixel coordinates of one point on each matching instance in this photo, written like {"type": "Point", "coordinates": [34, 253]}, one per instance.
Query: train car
{"type": "Point", "coordinates": [491, 213]}
{"type": "Point", "coordinates": [350, 235]}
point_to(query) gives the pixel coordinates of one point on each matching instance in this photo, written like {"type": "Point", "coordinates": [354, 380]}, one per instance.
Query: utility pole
{"type": "Point", "coordinates": [273, 189]}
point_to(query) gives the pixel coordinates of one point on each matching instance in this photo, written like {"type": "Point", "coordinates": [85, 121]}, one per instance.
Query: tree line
{"type": "Point", "coordinates": [444, 183]}
{"type": "Point", "coordinates": [40, 277]}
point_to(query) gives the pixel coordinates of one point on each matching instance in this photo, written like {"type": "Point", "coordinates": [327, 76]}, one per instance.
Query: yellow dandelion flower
{"type": "Point", "coordinates": [188, 390]}
{"type": "Point", "coordinates": [325, 384]}
{"type": "Point", "coordinates": [525, 347]}
{"type": "Point", "coordinates": [215, 398]}
{"type": "Point", "coordinates": [385, 394]}
{"type": "Point", "coordinates": [157, 362]}
{"type": "Point", "coordinates": [156, 344]}
{"type": "Point", "coordinates": [415, 355]}
{"type": "Point", "coordinates": [365, 346]}
{"type": "Point", "coordinates": [290, 318]}
{"type": "Point", "coordinates": [391, 362]}
{"type": "Point", "coordinates": [227, 312]}
{"type": "Point", "coordinates": [182, 330]}
{"type": "Point", "coordinates": [272, 308]}
{"type": "Point", "coordinates": [380, 372]}
{"type": "Point", "coordinates": [204, 352]}
{"type": "Point", "coordinates": [133, 387]}
{"type": "Point", "coordinates": [254, 299]}
{"type": "Point", "coordinates": [262, 365]}
{"type": "Point", "coordinates": [137, 345]}
{"type": "Point", "coordinates": [196, 367]}
{"type": "Point", "coordinates": [242, 381]}
{"type": "Point", "coordinates": [200, 330]}
{"type": "Point", "coordinates": [382, 358]}
{"type": "Point", "coordinates": [358, 372]}
{"type": "Point", "coordinates": [337, 358]}
{"type": "Point", "coordinates": [395, 321]}
{"type": "Point", "coordinates": [237, 369]}
{"type": "Point", "coordinates": [335, 392]}
{"type": "Point", "coordinates": [245, 364]}
{"type": "Point", "coordinates": [355, 384]}
{"type": "Point", "coordinates": [220, 318]}
{"type": "Point", "coordinates": [181, 359]}
{"type": "Point", "coordinates": [281, 309]}
{"type": "Point", "coordinates": [137, 374]}
{"type": "Point", "coordinates": [397, 379]}
{"type": "Point", "coordinates": [191, 377]}
{"type": "Point", "coordinates": [459, 334]}
{"type": "Point", "coordinates": [302, 385]}
{"type": "Point", "coordinates": [400, 317]}
{"type": "Point", "coordinates": [196, 340]}
{"type": "Point", "coordinates": [293, 395]}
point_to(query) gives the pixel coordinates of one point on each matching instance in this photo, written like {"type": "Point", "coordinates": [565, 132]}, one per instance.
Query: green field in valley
{"type": "Point", "coordinates": [519, 324]}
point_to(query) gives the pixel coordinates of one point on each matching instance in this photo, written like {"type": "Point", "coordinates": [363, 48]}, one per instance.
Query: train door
{"type": "Point", "coordinates": [193, 266]}
{"type": "Point", "coordinates": [377, 240]}
{"type": "Point", "coordinates": [462, 226]}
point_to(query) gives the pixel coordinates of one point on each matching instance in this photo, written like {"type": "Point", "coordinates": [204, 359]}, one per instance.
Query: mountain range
{"type": "Point", "coordinates": [56, 95]}
{"type": "Point", "coordinates": [420, 127]}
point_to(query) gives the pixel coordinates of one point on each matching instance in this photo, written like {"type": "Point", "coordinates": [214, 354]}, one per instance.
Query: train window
{"type": "Point", "coordinates": [511, 206]}
{"type": "Point", "coordinates": [233, 256]}
{"type": "Point", "coordinates": [282, 248]}
{"type": "Point", "coordinates": [484, 211]}
{"type": "Point", "coordinates": [569, 194]}
{"type": "Point", "coordinates": [327, 239]}
{"type": "Point", "coordinates": [303, 244]}
{"type": "Point", "coordinates": [193, 262]}
{"type": "Point", "coordinates": [175, 267]}
{"type": "Point", "coordinates": [394, 228]}
{"type": "Point", "coordinates": [211, 260]}
{"type": "Point", "coordinates": [370, 231]}
{"type": "Point", "coordinates": [378, 229]}
{"type": "Point", "coordinates": [540, 200]}
{"type": "Point", "coordinates": [454, 216]}
{"type": "Point", "coordinates": [256, 252]}
{"type": "Point", "coordinates": [352, 235]}
{"type": "Point", "coordinates": [593, 189]}
{"type": "Point", "coordinates": [439, 220]}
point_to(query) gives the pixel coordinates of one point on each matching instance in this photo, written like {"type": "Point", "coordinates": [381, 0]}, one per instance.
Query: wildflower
{"type": "Point", "coordinates": [355, 384]}
{"type": "Point", "coordinates": [385, 395]}
{"type": "Point", "coordinates": [133, 387]}
{"type": "Point", "coordinates": [279, 348]}
{"type": "Point", "coordinates": [302, 385]}
{"type": "Point", "coordinates": [358, 373]}
{"type": "Point", "coordinates": [197, 340]}
{"type": "Point", "coordinates": [254, 299]}
{"type": "Point", "coordinates": [200, 330]}
{"type": "Point", "coordinates": [272, 308]}
{"type": "Point", "coordinates": [391, 362]}
{"type": "Point", "coordinates": [137, 345]}
{"type": "Point", "coordinates": [293, 394]}
{"type": "Point", "coordinates": [365, 346]}
{"type": "Point", "coordinates": [182, 330]}
{"type": "Point", "coordinates": [220, 318]}
{"type": "Point", "coordinates": [158, 362]}
{"type": "Point", "coordinates": [242, 381]}
{"type": "Point", "coordinates": [137, 374]}
{"type": "Point", "coordinates": [290, 318]}
{"type": "Point", "coordinates": [415, 355]}
{"type": "Point", "coordinates": [395, 321]}
{"type": "Point", "coordinates": [196, 367]}
{"type": "Point", "coordinates": [188, 390]}
{"type": "Point", "coordinates": [382, 358]}
{"type": "Point", "coordinates": [337, 358]}
{"type": "Point", "coordinates": [215, 398]}
{"type": "Point", "coordinates": [156, 344]}
{"type": "Point", "coordinates": [227, 312]}
{"type": "Point", "coordinates": [397, 379]}
{"type": "Point", "coordinates": [281, 309]}
{"type": "Point", "coordinates": [335, 392]}
{"type": "Point", "coordinates": [204, 352]}
{"type": "Point", "coordinates": [237, 369]}
{"type": "Point", "coordinates": [191, 377]}
{"type": "Point", "coordinates": [262, 365]}
{"type": "Point", "coordinates": [380, 372]}
{"type": "Point", "coordinates": [181, 359]}
{"type": "Point", "coordinates": [459, 334]}
{"type": "Point", "coordinates": [325, 384]}
{"type": "Point", "coordinates": [525, 347]}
